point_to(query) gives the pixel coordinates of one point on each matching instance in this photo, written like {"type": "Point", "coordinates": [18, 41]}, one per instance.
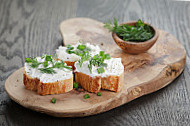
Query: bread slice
{"type": "Point", "coordinates": [57, 87]}
{"type": "Point", "coordinates": [70, 59]}
{"type": "Point", "coordinates": [91, 84]}
{"type": "Point", "coordinates": [29, 82]}
{"type": "Point", "coordinates": [112, 83]}
{"type": "Point", "coordinates": [60, 81]}
{"type": "Point", "coordinates": [111, 80]}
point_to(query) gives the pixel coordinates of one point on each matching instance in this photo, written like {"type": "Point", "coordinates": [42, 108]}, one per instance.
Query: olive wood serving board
{"type": "Point", "coordinates": [144, 73]}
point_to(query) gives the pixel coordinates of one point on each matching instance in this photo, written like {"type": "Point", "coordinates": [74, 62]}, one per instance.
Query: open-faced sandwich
{"type": "Point", "coordinates": [100, 71]}
{"type": "Point", "coordinates": [72, 53]}
{"type": "Point", "coordinates": [47, 75]}
{"type": "Point", "coordinates": [93, 70]}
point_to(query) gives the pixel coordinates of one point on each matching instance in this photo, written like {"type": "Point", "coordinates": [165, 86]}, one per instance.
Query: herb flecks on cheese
{"type": "Point", "coordinates": [48, 64]}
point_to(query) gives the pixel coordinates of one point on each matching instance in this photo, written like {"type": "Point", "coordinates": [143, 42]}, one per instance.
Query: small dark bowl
{"type": "Point", "coordinates": [136, 47]}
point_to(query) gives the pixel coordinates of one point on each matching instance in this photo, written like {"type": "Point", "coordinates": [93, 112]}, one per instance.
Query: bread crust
{"type": "Point", "coordinates": [94, 84]}
{"type": "Point", "coordinates": [91, 84]}
{"type": "Point", "coordinates": [69, 63]}
{"type": "Point", "coordinates": [57, 87]}
{"type": "Point", "coordinates": [113, 83]}
{"type": "Point", "coordinates": [29, 82]}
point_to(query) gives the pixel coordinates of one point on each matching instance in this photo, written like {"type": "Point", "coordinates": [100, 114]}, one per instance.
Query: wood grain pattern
{"type": "Point", "coordinates": [26, 26]}
{"type": "Point", "coordinates": [166, 63]}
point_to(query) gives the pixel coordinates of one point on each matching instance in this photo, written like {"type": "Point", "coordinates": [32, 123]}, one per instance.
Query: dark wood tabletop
{"type": "Point", "coordinates": [31, 28]}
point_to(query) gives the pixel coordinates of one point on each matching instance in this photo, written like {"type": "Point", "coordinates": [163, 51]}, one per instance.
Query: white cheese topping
{"type": "Point", "coordinates": [114, 67]}
{"type": "Point", "coordinates": [61, 74]}
{"type": "Point", "coordinates": [63, 55]}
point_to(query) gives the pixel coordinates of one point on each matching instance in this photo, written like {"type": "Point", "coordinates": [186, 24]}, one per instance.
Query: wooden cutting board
{"type": "Point", "coordinates": [144, 73]}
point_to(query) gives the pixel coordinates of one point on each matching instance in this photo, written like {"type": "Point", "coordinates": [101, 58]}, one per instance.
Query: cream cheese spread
{"type": "Point", "coordinates": [63, 55]}
{"type": "Point", "coordinates": [114, 67]}
{"type": "Point", "coordinates": [61, 74]}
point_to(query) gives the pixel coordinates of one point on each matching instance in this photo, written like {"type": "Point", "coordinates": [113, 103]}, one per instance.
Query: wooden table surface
{"type": "Point", "coordinates": [30, 28]}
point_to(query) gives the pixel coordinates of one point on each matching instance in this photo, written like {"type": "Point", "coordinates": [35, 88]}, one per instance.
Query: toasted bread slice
{"type": "Point", "coordinates": [94, 84]}
{"type": "Point", "coordinates": [91, 84]}
{"type": "Point", "coordinates": [29, 82]}
{"type": "Point", "coordinates": [112, 83]}
{"type": "Point", "coordinates": [112, 79]}
{"type": "Point", "coordinates": [58, 87]}
{"type": "Point", "coordinates": [54, 78]}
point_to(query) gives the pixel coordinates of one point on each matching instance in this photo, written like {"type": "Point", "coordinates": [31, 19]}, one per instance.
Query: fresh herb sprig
{"type": "Point", "coordinates": [83, 52]}
{"type": "Point", "coordinates": [138, 33]}
{"type": "Point", "coordinates": [98, 60]}
{"type": "Point", "coordinates": [48, 70]}
{"type": "Point", "coordinates": [33, 61]}
{"type": "Point", "coordinates": [85, 56]}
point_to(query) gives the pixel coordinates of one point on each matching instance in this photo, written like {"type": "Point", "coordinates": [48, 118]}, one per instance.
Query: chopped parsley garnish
{"type": "Point", "coordinates": [53, 100]}
{"type": "Point", "coordinates": [99, 94]}
{"type": "Point", "coordinates": [75, 85]}
{"type": "Point", "coordinates": [86, 96]}
{"type": "Point", "coordinates": [140, 32]}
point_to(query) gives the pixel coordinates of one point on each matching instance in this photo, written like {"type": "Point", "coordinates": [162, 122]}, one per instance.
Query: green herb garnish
{"type": "Point", "coordinates": [45, 63]}
{"type": "Point", "coordinates": [61, 65]}
{"type": "Point", "coordinates": [138, 33]}
{"type": "Point", "coordinates": [99, 94]}
{"type": "Point", "coordinates": [43, 56]}
{"type": "Point", "coordinates": [98, 60]}
{"type": "Point", "coordinates": [100, 70]}
{"type": "Point", "coordinates": [81, 51]}
{"type": "Point", "coordinates": [48, 70]}
{"type": "Point", "coordinates": [85, 56]}
{"type": "Point", "coordinates": [28, 60]}
{"type": "Point", "coordinates": [81, 47]}
{"type": "Point", "coordinates": [53, 100]}
{"type": "Point", "coordinates": [86, 96]}
{"type": "Point", "coordinates": [75, 85]}
{"type": "Point", "coordinates": [48, 60]}
{"type": "Point", "coordinates": [33, 61]}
